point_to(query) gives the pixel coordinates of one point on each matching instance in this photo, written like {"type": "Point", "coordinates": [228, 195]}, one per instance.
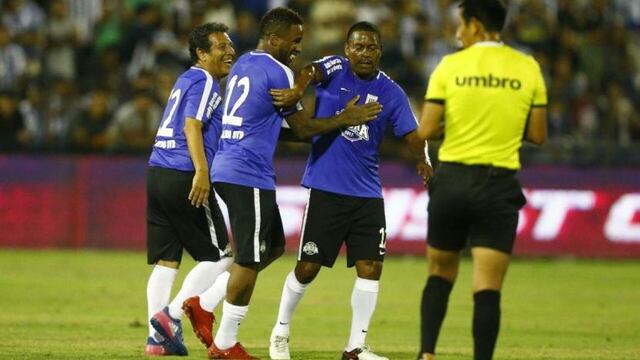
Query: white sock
{"type": "Point", "coordinates": [227, 334]}
{"type": "Point", "coordinates": [200, 278]}
{"type": "Point", "coordinates": [159, 290]}
{"type": "Point", "coordinates": [363, 303]}
{"type": "Point", "coordinates": [292, 293]}
{"type": "Point", "coordinates": [216, 293]}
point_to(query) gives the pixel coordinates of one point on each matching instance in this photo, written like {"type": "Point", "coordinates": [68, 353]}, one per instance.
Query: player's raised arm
{"type": "Point", "coordinates": [304, 126]}
{"type": "Point", "coordinates": [309, 75]}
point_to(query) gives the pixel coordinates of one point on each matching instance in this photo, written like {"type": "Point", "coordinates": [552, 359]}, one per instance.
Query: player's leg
{"type": "Point", "coordinates": [492, 237]}
{"type": "Point", "coordinates": [277, 240]}
{"type": "Point", "coordinates": [292, 292]}
{"type": "Point", "coordinates": [164, 251]}
{"type": "Point", "coordinates": [251, 213]}
{"type": "Point", "coordinates": [204, 236]}
{"type": "Point", "coordinates": [321, 237]}
{"type": "Point", "coordinates": [448, 226]}
{"type": "Point", "coordinates": [202, 233]}
{"type": "Point", "coordinates": [489, 270]}
{"type": "Point", "coordinates": [366, 248]}
{"type": "Point", "coordinates": [443, 270]}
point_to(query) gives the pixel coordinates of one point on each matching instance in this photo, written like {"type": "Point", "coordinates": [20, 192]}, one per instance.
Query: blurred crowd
{"type": "Point", "coordinates": [94, 75]}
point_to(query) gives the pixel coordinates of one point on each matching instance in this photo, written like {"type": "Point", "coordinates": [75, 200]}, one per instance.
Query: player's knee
{"type": "Point", "coordinates": [305, 272]}
{"type": "Point", "coordinates": [169, 263]}
{"type": "Point", "coordinates": [369, 269]}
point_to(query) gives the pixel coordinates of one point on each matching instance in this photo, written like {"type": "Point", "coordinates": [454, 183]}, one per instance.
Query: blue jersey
{"type": "Point", "coordinates": [346, 161]}
{"type": "Point", "coordinates": [250, 122]}
{"type": "Point", "coordinates": [196, 94]}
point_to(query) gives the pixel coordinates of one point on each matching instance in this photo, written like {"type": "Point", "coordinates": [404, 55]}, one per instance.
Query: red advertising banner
{"type": "Point", "coordinates": [97, 202]}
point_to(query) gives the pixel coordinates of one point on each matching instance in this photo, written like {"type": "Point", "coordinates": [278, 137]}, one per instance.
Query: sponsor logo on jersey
{"type": "Point", "coordinates": [489, 81]}
{"type": "Point", "coordinates": [165, 144]}
{"type": "Point", "coordinates": [359, 132]}
{"type": "Point", "coordinates": [310, 248]}
{"type": "Point", "coordinates": [213, 104]}
{"type": "Point", "coordinates": [356, 133]}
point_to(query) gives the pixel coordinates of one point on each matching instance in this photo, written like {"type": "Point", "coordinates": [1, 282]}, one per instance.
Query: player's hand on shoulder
{"type": "Point", "coordinates": [286, 97]}
{"type": "Point", "coordinates": [425, 171]}
{"type": "Point", "coordinates": [359, 114]}
{"type": "Point", "coordinates": [200, 188]}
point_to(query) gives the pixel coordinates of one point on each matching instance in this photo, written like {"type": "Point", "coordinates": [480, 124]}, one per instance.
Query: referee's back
{"type": "Point", "coordinates": [488, 90]}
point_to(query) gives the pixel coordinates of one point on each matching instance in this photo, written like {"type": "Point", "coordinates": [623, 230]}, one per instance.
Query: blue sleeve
{"type": "Point", "coordinates": [196, 99]}
{"type": "Point", "coordinates": [330, 66]}
{"type": "Point", "coordinates": [402, 118]}
{"type": "Point", "coordinates": [282, 78]}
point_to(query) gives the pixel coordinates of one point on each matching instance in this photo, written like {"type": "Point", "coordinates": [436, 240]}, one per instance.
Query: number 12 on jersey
{"type": "Point", "coordinates": [229, 116]}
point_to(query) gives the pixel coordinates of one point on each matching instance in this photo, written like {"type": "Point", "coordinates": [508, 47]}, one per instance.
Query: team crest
{"type": "Point", "coordinates": [310, 248]}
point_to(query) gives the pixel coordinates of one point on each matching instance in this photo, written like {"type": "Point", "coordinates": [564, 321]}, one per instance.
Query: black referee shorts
{"type": "Point", "coordinates": [332, 219]}
{"type": "Point", "coordinates": [255, 219]}
{"type": "Point", "coordinates": [173, 223]}
{"type": "Point", "coordinates": [475, 202]}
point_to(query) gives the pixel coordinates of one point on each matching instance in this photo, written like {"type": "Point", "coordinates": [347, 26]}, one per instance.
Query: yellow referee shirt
{"type": "Point", "coordinates": [487, 91]}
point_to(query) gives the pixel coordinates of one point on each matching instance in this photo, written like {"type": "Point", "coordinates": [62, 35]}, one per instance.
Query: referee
{"type": "Point", "coordinates": [491, 98]}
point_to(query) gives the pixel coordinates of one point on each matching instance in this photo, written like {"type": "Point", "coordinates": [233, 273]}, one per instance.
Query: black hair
{"type": "Point", "coordinates": [491, 13]}
{"type": "Point", "coordinates": [199, 38]}
{"type": "Point", "coordinates": [364, 26]}
{"type": "Point", "coordinates": [277, 20]}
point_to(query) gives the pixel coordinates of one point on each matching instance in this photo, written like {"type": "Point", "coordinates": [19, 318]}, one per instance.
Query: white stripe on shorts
{"type": "Point", "coordinates": [212, 228]}
{"type": "Point", "coordinates": [304, 224]}
{"type": "Point", "coordinates": [256, 231]}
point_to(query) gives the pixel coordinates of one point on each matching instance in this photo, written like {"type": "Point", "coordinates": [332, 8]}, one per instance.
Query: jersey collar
{"type": "Point", "coordinates": [489, 43]}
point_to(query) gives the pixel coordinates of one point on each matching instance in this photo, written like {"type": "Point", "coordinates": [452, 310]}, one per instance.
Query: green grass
{"type": "Point", "coordinates": [91, 305]}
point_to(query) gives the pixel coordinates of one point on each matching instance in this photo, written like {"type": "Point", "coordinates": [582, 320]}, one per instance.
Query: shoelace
{"type": "Point", "coordinates": [281, 343]}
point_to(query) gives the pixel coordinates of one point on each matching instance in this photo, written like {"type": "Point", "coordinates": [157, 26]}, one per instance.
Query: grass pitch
{"type": "Point", "coordinates": [91, 305]}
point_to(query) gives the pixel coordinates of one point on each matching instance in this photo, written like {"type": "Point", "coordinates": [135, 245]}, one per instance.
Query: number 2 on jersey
{"type": "Point", "coordinates": [164, 129]}
{"type": "Point", "coordinates": [229, 117]}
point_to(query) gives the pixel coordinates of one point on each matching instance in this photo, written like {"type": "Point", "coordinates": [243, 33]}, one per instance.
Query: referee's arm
{"type": "Point", "coordinates": [536, 131]}
{"type": "Point", "coordinates": [431, 120]}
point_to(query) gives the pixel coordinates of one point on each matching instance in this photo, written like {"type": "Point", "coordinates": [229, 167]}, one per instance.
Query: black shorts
{"type": "Point", "coordinates": [331, 219]}
{"type": "Point", "coordinates": [255, 219]}
{"type": "Point", "coordinates": [173, 223]}
{"type": "Point", "coordinates": [475, 202]}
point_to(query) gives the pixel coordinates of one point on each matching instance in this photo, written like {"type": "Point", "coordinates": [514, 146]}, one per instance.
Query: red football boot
{"type": "Point", "coordinates": [201, 320]}
{"type": "Point", "coordinates": [236, 352]}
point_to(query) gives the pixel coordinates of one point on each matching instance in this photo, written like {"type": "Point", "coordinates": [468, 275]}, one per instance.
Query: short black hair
{"type": "Point", "coordinates": [277, 20]}
{"type": "Point", "coordinates": [199, 38]}
{"type": "Point", "coordinates": [364, 26]}
{"type": "Point", "coordinates": [491, 13]}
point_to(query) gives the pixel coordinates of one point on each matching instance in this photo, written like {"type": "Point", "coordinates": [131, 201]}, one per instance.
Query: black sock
{"type": "Point", "coordinates": [435, 298]}
{"type": "Point", "coordinates": [486, 323]}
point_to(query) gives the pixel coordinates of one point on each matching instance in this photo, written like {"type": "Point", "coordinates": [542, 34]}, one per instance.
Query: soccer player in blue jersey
{"type": "Point", "coordinates": [182, 212]}
{"type": "Point", "coordinates": [345, 195]}
{"type": "Point", "coordinates": [242, 171]}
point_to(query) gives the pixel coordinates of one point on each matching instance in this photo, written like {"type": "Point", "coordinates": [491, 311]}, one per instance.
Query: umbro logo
{"type": "Point", "coordinates": [283, 323]}
{"type": "Point", "coordinates": [345, 89]}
